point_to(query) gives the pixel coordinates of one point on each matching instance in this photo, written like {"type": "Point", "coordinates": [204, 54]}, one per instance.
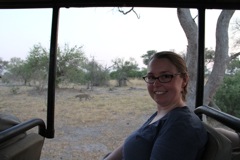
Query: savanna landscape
{"type": "Point", "coordinates": [86, 127]}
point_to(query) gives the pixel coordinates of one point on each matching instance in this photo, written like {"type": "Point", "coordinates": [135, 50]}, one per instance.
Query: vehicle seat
{"type": "Point", "coordinates": [218, 146]}
{"type": "Point", "coordinates": [27, 148]}
{"type": "Point", "coordinates": [236, 154]}
{"type": "Point", "coordinates": [24, 146]}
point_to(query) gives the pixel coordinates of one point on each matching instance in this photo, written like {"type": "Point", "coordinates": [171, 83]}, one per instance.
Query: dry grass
{"type": "Point", "coordinates": [87, 129]}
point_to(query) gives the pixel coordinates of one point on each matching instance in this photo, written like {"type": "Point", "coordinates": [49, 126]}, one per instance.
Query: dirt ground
{"type": "Point", "coordinates": [85, 129]}
{"type": "Point", "coordinates": [88, 142]}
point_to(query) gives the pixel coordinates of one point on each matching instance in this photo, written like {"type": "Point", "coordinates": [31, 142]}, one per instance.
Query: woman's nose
{"type": "Point", "coordinates": [157, 83]}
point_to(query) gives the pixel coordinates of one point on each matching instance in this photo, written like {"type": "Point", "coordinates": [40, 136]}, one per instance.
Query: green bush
{"type": "Point", "coordinates": [228, 94]}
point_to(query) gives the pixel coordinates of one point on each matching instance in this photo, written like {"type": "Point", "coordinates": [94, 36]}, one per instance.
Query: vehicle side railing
{"type": "Point", "coordinates": [224, 118]}
{"type": "Point", "coordinates": [23, 127]}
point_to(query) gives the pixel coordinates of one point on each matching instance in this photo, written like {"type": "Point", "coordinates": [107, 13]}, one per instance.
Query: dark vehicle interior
{"type": "Point", "coordinates": [29, 146]}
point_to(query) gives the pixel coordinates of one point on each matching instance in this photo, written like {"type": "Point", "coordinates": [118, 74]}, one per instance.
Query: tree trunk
{"type": "Point", "coordinates": [191, 31]}
{"type": "Point", "coordinates": [221, 54]}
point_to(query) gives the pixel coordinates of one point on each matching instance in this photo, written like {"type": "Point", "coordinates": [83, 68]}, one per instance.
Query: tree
{"type": "Point", "coordinates": [71, 64]}
{"type": "Point", "coordinates": [122, 70]}
{"type": "Point", "coordinates": [236, 30]}
{"type": "Point", "coordinates": [25, 72]}
{"type": "Point", "coordinates": [209, 56]}
{"type": "Point", "coordinates": [221, 58]}
{"type": "Point", "coordinates": [96, 74]}
{"type": "Point", "coordinates": [37, 65]}
{"type": "Point", "coordinates": [209, 60]}
{"type": "Point", "coordinates": [69, 68]}
{"type": "Point", "coordinates": [17, 70]}
{"type": "Point", "coordinates": [3, 66]}
{"type": "Point", "coordinates": [146, 57]}
{"type": "Point", "coordinates": [227, 96]}
{"type": "Point", "coordinates": [233, 66]}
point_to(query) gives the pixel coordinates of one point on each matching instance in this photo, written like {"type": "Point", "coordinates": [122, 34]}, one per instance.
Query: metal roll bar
{"type": "Point", "coordinates": [226, 119]}
{"type": "Point", "coordinates": [23, 127]}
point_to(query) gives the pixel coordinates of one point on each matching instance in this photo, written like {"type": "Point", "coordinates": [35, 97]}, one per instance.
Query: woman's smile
{"type": "Point", "coordinates": [160, 92]}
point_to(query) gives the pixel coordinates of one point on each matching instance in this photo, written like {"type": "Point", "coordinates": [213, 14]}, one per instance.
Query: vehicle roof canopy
{"type": "Point", "coordinates": [208, 4]}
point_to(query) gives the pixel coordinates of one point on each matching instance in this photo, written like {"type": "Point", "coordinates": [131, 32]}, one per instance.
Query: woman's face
{"type": "Point", "coordinates": [165, 94]}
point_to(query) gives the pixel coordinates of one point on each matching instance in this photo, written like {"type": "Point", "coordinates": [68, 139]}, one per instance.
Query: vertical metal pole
{"type": "Point", "coordinates": [201, 48]}
{"type": "Point", "coordinates": [52, 74]}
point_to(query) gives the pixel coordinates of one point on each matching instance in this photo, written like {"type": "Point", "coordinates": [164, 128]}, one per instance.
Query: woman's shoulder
{"type": "Point", "coordinates": [183, 115]}
{"type": "Point", "coordinates": [180, 112]}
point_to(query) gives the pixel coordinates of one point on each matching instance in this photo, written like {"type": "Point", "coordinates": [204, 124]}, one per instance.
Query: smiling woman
{"type": "Point", "coordinates": [163, 133]}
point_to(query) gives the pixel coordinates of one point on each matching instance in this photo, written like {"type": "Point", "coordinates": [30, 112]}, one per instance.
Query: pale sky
{"type": "Point", "coordinates": [104, 33]}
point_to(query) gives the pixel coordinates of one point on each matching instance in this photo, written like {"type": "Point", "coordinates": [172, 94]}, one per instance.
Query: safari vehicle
{"type": "Point", "coordinates": [29, 146]}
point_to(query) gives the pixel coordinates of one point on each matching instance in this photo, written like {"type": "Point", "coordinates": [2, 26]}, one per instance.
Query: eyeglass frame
{"type": "Point", "coordinates": [155, 78]}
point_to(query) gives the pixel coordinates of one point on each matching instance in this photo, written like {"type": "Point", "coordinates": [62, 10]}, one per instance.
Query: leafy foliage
{"type": "Point", "coordinates": [233, 66]}
{"type": "Point", "coordinates": [17, 69]}
{"type": "Point", "coordinates": [146, 57]}
{"type": "Point", "coordinates": [70, 65]}
{"type": "Point", "coordinates": [209, 61]}
{"type": "Point", "coordinates": [227, 96]}
{"type": "Point", "coordinates": [123, 70]}
{"type": "Point", "coordinates": [96, 74]}
{"type": "Point", "coordinates": [37, 65]}
{"type": "Point", "coordinates": [3, 65]}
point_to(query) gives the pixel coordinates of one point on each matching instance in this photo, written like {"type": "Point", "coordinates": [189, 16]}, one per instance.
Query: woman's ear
{"type": "Point", "coordinates": [185, 81]}
{"type": "Point", "coordinates": [184, 84]}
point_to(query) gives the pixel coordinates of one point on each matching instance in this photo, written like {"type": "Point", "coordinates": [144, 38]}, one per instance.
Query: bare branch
{"type": "Point", "coordinates": [132, 9]}
{"type": "Point", "coordinates": [120, 10]}
{"type": "Point", "coordinates": [138, 16]}
{"type": "Point", "coordinates": [195, 17]}
{"type": "Point", "coordinates": [234, 56]}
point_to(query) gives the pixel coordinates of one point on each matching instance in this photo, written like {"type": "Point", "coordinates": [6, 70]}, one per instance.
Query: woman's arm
{"type": "Point", "coordinates": [116, 154]}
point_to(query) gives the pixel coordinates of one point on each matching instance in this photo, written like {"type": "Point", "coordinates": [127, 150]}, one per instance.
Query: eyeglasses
{"type": "Point", "coordinates": [163, 78]}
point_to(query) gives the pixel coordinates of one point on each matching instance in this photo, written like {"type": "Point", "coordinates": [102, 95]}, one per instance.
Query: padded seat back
{"type": "Point", "coordinates": [21, 147]}
{"type": "Point", "coordinates": [218, 146]}
{"type": "Point", "coordinates": [236, 154]}
{"type": "Point", "coordinates": [27, 148]}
